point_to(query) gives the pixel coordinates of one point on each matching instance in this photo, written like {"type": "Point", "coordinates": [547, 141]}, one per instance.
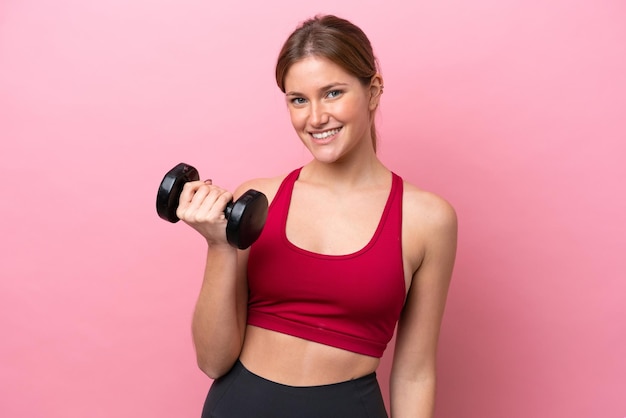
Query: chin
{"type": "Point", "coordinates": [326, 158]}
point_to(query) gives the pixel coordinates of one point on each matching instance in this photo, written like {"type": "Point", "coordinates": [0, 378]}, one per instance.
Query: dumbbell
{"type": "Point", "coordinates": [246, 216]}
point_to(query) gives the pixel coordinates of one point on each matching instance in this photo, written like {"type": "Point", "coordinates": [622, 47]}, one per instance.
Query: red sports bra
{"type": "Point", "coordinates": [352, 301]}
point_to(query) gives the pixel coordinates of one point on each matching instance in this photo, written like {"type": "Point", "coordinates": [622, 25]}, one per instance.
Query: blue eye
{"type": "Point", "coordinates": [333, 94]}
{"type": "Point", "coordinates": [298, 100]}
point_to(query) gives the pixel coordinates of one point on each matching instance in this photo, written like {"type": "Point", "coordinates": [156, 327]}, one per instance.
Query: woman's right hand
{"type": "Point", "coordinates": [201, 206]}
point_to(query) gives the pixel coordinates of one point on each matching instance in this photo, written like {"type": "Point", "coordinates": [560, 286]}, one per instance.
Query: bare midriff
{"type": "Point", "coordinates": [294, 361]}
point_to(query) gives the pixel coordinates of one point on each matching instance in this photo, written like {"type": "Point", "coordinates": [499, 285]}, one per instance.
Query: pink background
{"type": "Point", "coordinates": [514, 110]}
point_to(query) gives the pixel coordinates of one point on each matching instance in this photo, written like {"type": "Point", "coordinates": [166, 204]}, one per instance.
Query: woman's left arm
{"type": "Point", "coordinates": [413, 375]}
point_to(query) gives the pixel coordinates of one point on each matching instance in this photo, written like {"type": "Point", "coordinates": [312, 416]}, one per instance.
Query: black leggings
{"type": "Point", "coordinates": [242, 394]}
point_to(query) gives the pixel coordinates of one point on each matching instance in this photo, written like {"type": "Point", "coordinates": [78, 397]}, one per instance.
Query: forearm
{"type": "Point", "coordinates": [219, 316]}
{"type": "Point", "coordinates": [413, 398]}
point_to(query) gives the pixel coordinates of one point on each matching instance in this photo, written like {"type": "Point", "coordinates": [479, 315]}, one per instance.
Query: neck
{"type": "Point", "coordinates": [346, 174]}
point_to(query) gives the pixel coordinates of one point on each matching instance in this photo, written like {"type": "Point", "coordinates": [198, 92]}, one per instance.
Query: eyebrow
{"type": "Point", "coordinates": [321, 89]}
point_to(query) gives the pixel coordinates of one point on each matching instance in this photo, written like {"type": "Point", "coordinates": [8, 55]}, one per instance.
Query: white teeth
{"type": "Point", "coordinates": [326, 134]}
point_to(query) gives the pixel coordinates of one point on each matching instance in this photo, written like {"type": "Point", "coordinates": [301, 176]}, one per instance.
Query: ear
{"type": "Point", "coordinates": [376, 90]}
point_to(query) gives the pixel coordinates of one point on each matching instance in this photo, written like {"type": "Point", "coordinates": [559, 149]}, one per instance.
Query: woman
{"type": "Point", "coordinates": [295, 326]}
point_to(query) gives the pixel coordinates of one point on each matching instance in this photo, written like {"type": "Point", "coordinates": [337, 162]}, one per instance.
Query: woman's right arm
{"type": "Point", "coordinates": [219, 318]}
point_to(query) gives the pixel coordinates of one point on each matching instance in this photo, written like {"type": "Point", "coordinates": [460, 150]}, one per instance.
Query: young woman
{"type": "Point", "coordinates": [295, 326]}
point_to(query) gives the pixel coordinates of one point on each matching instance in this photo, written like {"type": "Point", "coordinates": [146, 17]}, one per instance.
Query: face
{"type": "Point", "coordinates": [330, 109]}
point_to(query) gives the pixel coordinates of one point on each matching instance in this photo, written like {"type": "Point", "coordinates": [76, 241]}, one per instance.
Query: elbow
{"type": "Point", "coordinates": [216, 359]}
{"type": "Point", "coordinates": [214, 370]}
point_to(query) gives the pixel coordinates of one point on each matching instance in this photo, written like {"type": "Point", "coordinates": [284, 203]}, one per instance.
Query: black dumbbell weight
{"type": "Point", "coordinates": [246, 216]}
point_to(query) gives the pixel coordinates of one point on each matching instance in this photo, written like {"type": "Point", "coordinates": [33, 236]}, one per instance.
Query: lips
{"type": "Point", "coordinates": [325, 134]}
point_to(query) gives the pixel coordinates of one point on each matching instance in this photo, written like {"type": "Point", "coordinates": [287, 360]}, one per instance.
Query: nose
{"type": "Point", "coordinates": [319, 114]}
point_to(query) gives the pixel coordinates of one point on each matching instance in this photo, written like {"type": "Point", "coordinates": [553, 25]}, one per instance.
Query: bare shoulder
{"type": "Point", "coordinates": [426, 209]}
{"type": "Point", "coordinates": [429, 229]}
{"type": "Point", "coordinates": [268, 186]}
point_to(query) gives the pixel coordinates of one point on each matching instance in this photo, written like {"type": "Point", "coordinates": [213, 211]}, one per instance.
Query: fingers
{"type": "Point", "coordinates": [200, 201]}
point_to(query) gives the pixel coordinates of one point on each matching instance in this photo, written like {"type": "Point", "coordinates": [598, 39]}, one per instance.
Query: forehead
{"type": "Point", "coordinates": [312, 73]}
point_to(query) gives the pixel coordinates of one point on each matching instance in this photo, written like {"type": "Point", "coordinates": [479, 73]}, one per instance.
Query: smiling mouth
{"type": "Point", "coordinates": [325, 134]}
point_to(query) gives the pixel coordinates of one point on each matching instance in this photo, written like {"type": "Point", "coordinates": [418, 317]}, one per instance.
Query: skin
{"type": "Point", "coordinates": [322, 97]}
